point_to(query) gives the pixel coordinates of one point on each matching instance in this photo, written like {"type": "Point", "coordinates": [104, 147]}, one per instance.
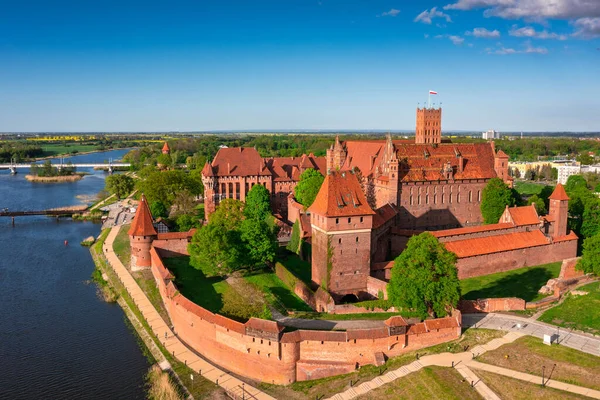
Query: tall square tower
{"type": "Point", "coordinates": [429, 126]}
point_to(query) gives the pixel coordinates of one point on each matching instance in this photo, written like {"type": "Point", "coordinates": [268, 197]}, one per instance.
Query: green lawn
{"type": "Point", "coordinates": [58, 149]}
{"type": "Point", "coordinates": [276, 292]}
{"type": "Point", "coordinates": [193, 284]}
{"type": "Point", "coordinates": [428, 383]}
{"type": "Point", "coordinates": [122, 247]}
{"type": "Point", "coordinates": [578, 312]}
{"type": "Point", "coordinates": [523, 283]}
{"type": "Point", "coordinates": [528, 188]}
{"type": "Point", "coordinates": [301, 269]}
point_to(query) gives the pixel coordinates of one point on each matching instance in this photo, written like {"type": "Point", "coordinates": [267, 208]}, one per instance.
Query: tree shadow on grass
{"type": "Point", "coordinates": [194, 285]}
{"type": "Point", "coordinates": [524, 285]}
{"type": "Point", "coordinates": [289, 300]}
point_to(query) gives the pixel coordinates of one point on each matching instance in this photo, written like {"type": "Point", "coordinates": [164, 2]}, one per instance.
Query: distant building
{"type": "Point", "coordinates": [166, 149]}
{"type": "Point", "coordinates": [565, 170]}
{"type": "Point", "coordinates": [490, 135]}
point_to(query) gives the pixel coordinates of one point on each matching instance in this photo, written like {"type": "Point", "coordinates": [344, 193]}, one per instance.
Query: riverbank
{"type": "Point", "coordinates": [196, 387]}
{"type": "Point", "coordinates": [55, 179]}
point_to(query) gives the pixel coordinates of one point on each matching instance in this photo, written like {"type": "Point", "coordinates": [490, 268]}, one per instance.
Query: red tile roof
{"type": "Point", "coordinates": [239, 161]}
{"type": "Point", "coordinates": [526, 215]}
{"type": "Point", "coordinates": [559, 193]}
{"type": "Point", "coordinates": [501, 154]}
{"type": "Point", "coordinates": [416, 329]}
{"type": "Point", "coordinates": [423, 162]}
{"type": "Point", "coordinates": [396, 320]}
{"type": "Point", "coordinates": [341, 195]}
{"type": "Point", "coordinates": [441, 323]}
{"type": "Point", "coordinates": [142, 224]}
{"type": "Point", "coordinates": [177, 235]}
{"type": "Point", "coordinates": [471, 229]}
{"type": "Point", "coordinates": [374, 333]}
{"type": "Point", "coordinates": [305, 226]}
{"type": "Point", "coordinates": [166, 147]}
{"type": "Point", "coordinates": [384, 214]}
{"type": "Point", "coordinates": [496, 244]}
{"type": "Point", "coordinates": [566, 238]}
{"type": "Point", "coordinates": [264, 325]}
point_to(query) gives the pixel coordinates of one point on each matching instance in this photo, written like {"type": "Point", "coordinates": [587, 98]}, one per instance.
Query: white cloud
{"type": "Point", "coordinates": [530, 32]}
{"type": "Point", "coordinates": [483, 33]}
{"type": "Point", "coordinates": [392, 13]}
{"type": "Point", "coordinates": [532, 9]}
{"type": "Point", "coordinates": [528, 49]}
{"type": "Point", "coordinates": [587, 27]}
{"type": "Point", "coordinates": [457, 40]}
{"type": "Point", "coordinates": [428, 15]}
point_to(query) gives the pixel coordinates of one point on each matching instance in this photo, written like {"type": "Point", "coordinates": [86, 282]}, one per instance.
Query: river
{"type": "Point", "coordinates": [58, 338]}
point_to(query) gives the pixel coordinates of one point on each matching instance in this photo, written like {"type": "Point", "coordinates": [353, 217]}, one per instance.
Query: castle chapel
{"type": "Point", "coordinates": [378, 193]}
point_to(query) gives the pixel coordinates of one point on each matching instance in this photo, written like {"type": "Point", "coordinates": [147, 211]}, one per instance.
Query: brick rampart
{"type": "Point", "coordinates": [470, 267]}
{"type": "Point", "coordinates": [258, 350]}
{"type": "Point", "coordinates": [318, 300]}
{"type": "Point", "coordinates": [491, 305]}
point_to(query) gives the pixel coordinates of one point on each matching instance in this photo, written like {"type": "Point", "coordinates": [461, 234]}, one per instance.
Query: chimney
{"type": "Point", "coordinates": [228, 168]}
{"type": "Point", "coordinates": [461, 163]}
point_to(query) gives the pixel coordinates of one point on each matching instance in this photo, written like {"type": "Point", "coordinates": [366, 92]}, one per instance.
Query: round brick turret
{"type": "Point", "coordinates": [141, 236]}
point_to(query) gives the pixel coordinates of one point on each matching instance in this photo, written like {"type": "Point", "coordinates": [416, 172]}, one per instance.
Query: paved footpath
{"type": "Point", "coordinates": [169, 340]}
{"type": "Point", "coordinates": [576, 340]}
{"type": "Point", "coordinates": [464, 362]}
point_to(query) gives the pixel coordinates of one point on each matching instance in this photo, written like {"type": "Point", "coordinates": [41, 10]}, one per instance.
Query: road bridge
{"type": "Point", "coordinates": [5, 212]}
{"type": "Point", "coordinates": [110, 166]}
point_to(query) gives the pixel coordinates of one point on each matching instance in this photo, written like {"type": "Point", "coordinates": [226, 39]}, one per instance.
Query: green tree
{"type": "Point", "coordinates": [163, 186]}
{"type": "Point", "coordinates": [164, 159]}
{"type": "Point", "coordinates": [185, 222]}
{"type": "Point", "coordinates": [259, 240]}
{"type": "Point", "coordinates": [308, 187]}
{"type": "Point", "coordinates": [494, 199]}
{"type": "Point", "coordinates": [425, 278]}
{"type": "Point", "coordinates": [538, 203]}
{"type": "Point", "coordinates": [295, 241]}
{"type": "Point", "coordinates": [585, 159]}
{"type": "Point", "coordinates": [590, 223]}
{"type": "Point", "coordinates": [119, 184]}
{"type": "Point", "coordinates": [590, 257]}
{"type": "Point", "coordinates": [159, 210]}
{"type": "Point", "coordinates": [575, 182]}
{"type": "Point", "coordinates": [216, 250]}
{"type": "Point", "coordinates": [229, 214]}
{"type": "Point", "coordinates": [258, 203]}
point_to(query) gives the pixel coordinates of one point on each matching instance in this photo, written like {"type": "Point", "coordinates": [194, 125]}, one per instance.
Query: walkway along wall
{"type": "Point", "coordinates": [258, 349]}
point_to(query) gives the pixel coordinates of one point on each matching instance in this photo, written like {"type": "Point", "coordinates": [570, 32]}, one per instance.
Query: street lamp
{"type": "Point", "coordinates": [543, 374]}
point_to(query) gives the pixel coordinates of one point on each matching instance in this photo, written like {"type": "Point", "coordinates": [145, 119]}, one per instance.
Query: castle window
{"type": "Point", "coordinates": [357, 239]}
{"type": "Point", "coordinates": [411, 200]}
{"type": "Point", "coordinates": [349, 220]}
{"type": "Point", "coordinates": [435, 199]}
{"type": "Point", "coordinates": [443, 195]}
{"type": "Point", "coordinates": [458, 198]}
{"type": "Point", "coordinates": [340, 241]}
{"type": "Point", "coordinates": [337, 221]}
{"type": "Point", "coordinates": [479, 196]}
{"type": "Point", "coordinates": [419, 200]}
{"type": "Point", "coordinates": [470, 196]}
{"type": "Point", "coordinates": [450, 198]}
{"type": "Point", "coordinates": [361, 220]}
{"type": "Point", "coordinates": [427, 199]}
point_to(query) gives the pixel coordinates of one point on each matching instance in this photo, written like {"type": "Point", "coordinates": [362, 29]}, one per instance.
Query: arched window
{"type": "Point", "coordinates": [470, 196]}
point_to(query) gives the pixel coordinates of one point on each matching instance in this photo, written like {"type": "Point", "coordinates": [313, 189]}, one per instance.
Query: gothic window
{"type": "Point", "coordinates": [419, 200]}
{"type": "Point", "coordinates": [458, 198]}
{"type": "Point", "coordinates": [443, 198]}
{"type": "Point", "coordinates": [426, 199]}
{"type": "Point", "coordinates": [470, 196]}
{"type": "Point", "coordinates": [349, 220]}
{"type": "Point", "coordinates": [411, 200]}
{"type": "Point", "coordinates": [479, 196]}
{"type": "Point", "coordinates": [435, 199]}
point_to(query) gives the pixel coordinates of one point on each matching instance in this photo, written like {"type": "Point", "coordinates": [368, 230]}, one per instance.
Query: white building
{"type": "Point", "coordinates": [566, 170]}
{"type": "Point", "coordinates": [490, 135]}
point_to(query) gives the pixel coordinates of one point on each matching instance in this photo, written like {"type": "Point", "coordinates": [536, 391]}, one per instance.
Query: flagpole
{"type": "Point", "coordinates": [429, 100]}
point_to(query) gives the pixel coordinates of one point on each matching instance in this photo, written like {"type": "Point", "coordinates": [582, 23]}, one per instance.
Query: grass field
{"type": "Point", "coordinates": [301, 269]}
{"type": "Point", "coordinates": [529, 354]}
{"type": "Point", "coordinates": [528, 188]}
{"type": "Point", "coordinates": [428, 383]}
{"type": "Point", "coordinates": [122, 247]}
{"type": "Point", "coordinates": [523, 283]}
{"type": "Point", "coordinates": [58, 149]}
{"type": "Point", "coordinates": [578, 312]}
{"type": "Point", "coordinates": [193, 284]}
{"type": "Point", "coordinates": [514, 389]}
{"type": "Point", "coordinates": [325, 387]}
{"type": "Point", "coordinates": [276, 292]}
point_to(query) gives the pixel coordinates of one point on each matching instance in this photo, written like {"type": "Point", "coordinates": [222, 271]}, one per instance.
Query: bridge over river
{"type": "Point", "coordinates": [60, 211]}
{"type": "Point", "coordinates": [110, 166]}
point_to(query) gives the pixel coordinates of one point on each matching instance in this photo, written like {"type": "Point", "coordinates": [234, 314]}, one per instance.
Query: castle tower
{"type": "Point", "coordinates": [341, 222]}
{"type": "Point", "coordinates": [429, 125]}
{"type": "Point", "coordinates": [501, 166]}
{"type": "Point", "coordinates": [336, 155]}
{"type": "Point", "coordinates": [559, 209]}
{"type": "Point", "coordinates": [166, 149]}
{"type": "Point", "coordinates": [211, 188]}
{"type": "Point", "coordinates": [141, 234]}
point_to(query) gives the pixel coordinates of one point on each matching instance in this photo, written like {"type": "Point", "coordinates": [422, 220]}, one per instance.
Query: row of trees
{"type": "Point", "coordinates": [239, 235]}
{"type": "Point", "coordinates": [47, 169]}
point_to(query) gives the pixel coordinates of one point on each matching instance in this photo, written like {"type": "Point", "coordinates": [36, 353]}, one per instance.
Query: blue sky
{"type": "Point", "coordinates": [530, 65]}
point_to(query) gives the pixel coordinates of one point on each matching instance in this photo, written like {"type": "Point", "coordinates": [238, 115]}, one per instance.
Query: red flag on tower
{"type": "Point", "coordinates": [432, 92]}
